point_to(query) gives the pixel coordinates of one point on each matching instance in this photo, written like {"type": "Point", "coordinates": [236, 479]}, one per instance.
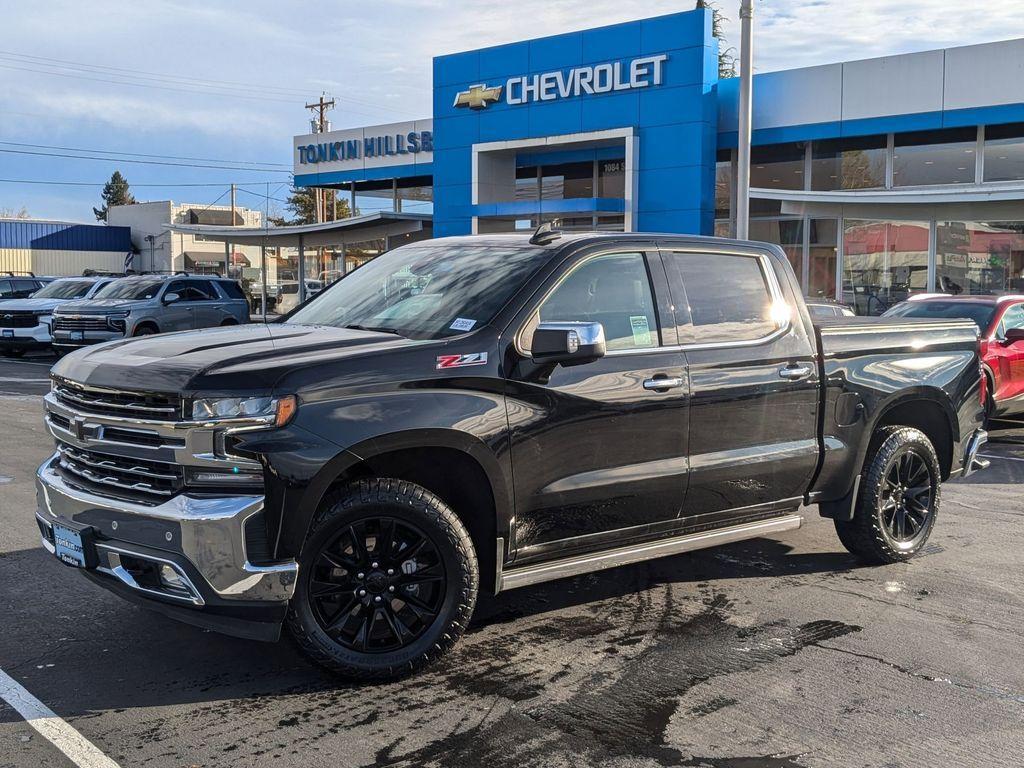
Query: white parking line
{"type": "Point", "coordinates": [23, 380]}
{"type": "Point", "coordinates": [74, 745]}
{"type": "Point", "coordinates": [1004, 458]}
{"type": "Point", "coordinates": [25, 362]}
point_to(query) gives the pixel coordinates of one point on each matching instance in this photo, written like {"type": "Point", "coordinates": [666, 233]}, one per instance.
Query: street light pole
{"type": "Point", "coordinates": [746, 92]}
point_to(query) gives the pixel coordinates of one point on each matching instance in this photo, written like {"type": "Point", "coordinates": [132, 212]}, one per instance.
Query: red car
{"type": "Point", "coordinates": [1001, 320]}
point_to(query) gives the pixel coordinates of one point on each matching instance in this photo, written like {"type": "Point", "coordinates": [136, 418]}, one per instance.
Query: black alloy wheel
{"type": "Point", "coordinates": [388, 579]}
{"type": "Point", "coordinates": [905, 501]}
{"type": "Point", "coordinates": [377, 585]}
{"type": "Point", "coordinates": [898, 499]}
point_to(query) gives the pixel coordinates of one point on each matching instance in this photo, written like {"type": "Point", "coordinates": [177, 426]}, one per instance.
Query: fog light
{"type": "Point", "coordinates": [172, 579]}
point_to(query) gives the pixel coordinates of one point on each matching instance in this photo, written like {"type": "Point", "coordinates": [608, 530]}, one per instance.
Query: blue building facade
{"type": "Point", "coordinates": [880, 178]}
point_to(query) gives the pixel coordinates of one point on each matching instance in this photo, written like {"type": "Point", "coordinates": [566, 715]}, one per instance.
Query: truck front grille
{"type": "Point", "coordinates": [80, 323]}
{"type": "Point", "coordinates": [18, 320]}
{"type": "Point", "coordinates": [133, 405]}
{"type": "Point", "coordinates": [139, 480]}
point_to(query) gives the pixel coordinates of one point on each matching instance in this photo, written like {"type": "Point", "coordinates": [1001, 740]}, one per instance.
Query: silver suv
{"type": "Point", "coordinates": [147, 304]}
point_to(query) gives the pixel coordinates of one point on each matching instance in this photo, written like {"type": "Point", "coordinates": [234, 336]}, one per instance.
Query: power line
{"type": "Point", "coordinates": [140, 162]}
{"type": "Point", "coordinates": [103, 183]}
{"type": "Point", "coordinates": [140, 154]}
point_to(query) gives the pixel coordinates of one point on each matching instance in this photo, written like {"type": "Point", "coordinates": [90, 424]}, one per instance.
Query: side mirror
{"type": "Point", "coordinates": [1014, 335]}
{"type": "Point", "coordinates": [170, 298]}
{"type": "Point", "coordinates": [568, 343]}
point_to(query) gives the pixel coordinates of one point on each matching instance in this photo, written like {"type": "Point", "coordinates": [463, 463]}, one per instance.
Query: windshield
{"type": "Point", "coordinates": [981, 313]}
{"type": "Point", "coordinates": [425, 292]}
{"type": "Point", "coordinates": [130, 289]}
{"type": "Point", "coordinates": [64, 289]}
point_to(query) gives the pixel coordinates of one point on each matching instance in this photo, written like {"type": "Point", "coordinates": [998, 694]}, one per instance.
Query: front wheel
{"type": "Point", "coordinates": [898, 499]}
{"type": "Point", "coordinates": [387, 581]}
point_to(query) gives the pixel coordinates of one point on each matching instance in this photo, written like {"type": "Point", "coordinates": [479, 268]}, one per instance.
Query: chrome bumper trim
{"type": "Point", "coordinates": [971, 461]}
{"type": "Point", "coordinates": [211, 532]}
{"type": "Point", "coordinates": [573, 566]}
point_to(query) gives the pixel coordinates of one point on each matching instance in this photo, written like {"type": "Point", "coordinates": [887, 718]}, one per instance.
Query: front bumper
{"type": "Point", "coordinates": [74, 339]}
{"type": "Point", "coordinates": [972, 462]}
{"type": "Point", "coordinates": [25, 338]}
{"type": "Point", "coordinates": [202, 538]}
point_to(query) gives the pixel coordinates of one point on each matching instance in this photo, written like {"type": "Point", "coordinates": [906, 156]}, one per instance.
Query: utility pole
{"type": "Point", "coordinates": [227, 246]}
{"type": "Point", "coordinates": [320, 124]}
{"type": "Point", "coordinates": [746, 94]}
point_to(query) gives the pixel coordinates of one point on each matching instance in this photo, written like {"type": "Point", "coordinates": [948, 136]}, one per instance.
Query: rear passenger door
{"type": "Point", "coordinates": [207, 305]}
{"type": "Point", "coordinates": [753, 383]}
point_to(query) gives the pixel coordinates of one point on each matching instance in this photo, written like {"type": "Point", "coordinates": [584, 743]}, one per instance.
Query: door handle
{"type": "Point", "coordinates": [795, 372]}
{"type": "Point", "coordinates": [659, 384]}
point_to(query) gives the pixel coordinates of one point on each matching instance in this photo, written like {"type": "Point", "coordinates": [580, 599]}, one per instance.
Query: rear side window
{"type": "Point", "coordinates": [727, 296]}
{"type": "Point", "coordinates": [201, 290]}
{"type": "Point", "coordinates": [613, 290]}
{"type": "Point", "coordinates": [231, 289]}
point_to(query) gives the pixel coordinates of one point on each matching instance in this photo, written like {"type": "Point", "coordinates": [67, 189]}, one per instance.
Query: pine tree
{"type": "Point", "coordinates": [115, 192]}
{"type": "Point", "coordinates": [726, 59]}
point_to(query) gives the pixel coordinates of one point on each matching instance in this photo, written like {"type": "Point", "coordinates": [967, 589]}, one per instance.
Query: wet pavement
{"type": "Point", "coordinates": [778, 652]}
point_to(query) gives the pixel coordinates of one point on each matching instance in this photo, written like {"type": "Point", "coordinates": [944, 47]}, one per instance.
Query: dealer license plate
{"type": "Point", "coordinates": [68, 546]}
{"type": "Point", "coordinates": [77, 335]}
{"type": "Point", "coordinates": [8, 333]}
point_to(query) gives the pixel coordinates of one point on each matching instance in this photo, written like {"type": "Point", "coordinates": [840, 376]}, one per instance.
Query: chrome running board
{"type": "Point", "coordinates": [612, 558]}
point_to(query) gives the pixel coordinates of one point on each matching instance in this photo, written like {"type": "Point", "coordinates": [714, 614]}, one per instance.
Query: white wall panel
{"type": "Point", "coordinates": [892, 85]}
{"type": "Point", "coordinates": [985, 75]}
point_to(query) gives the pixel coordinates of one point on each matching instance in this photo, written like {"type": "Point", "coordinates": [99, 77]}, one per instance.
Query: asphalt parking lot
{"type": "Point", "coordinates": [773, 652]}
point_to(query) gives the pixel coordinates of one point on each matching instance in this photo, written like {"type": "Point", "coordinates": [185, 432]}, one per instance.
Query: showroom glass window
{"type": "Point", "coordinates": [613, 290]}
{"type": "Point", "coordinates": [848, 163]}
{"type": "Point", "coordinates": [787, 233]}
{"type": "Point", "coordinates": [611, 177]}
{"type": "Point", "coordinates": [884, 262]}
{"type": "Point", "coordinates": [778, 166]}
{"type": "Point", "coordinates": [566, 181]}
{"type": "Point", "coordinates": [822, 255]}
{"type": "Point", "coordinates": [727, 295]}
{"type": "Point", "coordinates": [979, 257]}
{"type": "Point", "coordinates": [724, 184]}
{"type": "Point", "coordinates": [934, 157]}
{"type": "Point", "coordinates": [1004, 152]}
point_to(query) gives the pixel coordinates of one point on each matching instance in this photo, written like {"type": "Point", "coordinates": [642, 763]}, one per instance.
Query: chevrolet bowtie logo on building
{"type": "Point", "coordinates": [478, 96]}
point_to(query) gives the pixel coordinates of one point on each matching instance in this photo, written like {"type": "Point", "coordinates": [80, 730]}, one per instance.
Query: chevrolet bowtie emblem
{"type": "Point", "coordinates": [478, 96]}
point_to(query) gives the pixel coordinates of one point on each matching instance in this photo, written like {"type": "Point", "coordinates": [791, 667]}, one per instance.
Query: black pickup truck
{"type": "Point", "coordinates": [485, 413]}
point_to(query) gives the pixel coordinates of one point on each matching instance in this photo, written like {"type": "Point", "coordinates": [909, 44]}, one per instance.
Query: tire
{"type": "Point", "coordinates": [890, 525]}
{"type": "Point", "coordinates": [144, 330]}
{"type": "Point", "coordinates": [343, 595]}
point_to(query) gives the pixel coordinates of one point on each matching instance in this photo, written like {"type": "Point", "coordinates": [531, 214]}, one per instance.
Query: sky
{"type": "Point", "coordinates": [225, 82]}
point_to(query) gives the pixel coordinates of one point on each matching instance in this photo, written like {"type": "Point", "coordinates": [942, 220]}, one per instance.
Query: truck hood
{"type": "Point", "coordinates": [31, 305]}
{"type": "Point", "coordinates": [99, 306]}
{"type": "Point", "coordinates": [243, 358]}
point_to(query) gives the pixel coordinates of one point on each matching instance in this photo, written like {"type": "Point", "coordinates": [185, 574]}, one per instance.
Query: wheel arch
{"type": "Point", "coordinates": [459, 468]}
{"type": "Point", "coordinates": [146, 322]}
{"type": "Point", "coordinates": [927, 409]}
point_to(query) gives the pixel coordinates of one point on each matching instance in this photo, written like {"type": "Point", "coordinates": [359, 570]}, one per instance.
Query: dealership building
{"type": "Point", "coordinates": [879, 178]}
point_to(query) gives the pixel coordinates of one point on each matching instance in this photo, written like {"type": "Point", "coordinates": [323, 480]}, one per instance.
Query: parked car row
{"type": "Point", "coordinates": [74, 312]}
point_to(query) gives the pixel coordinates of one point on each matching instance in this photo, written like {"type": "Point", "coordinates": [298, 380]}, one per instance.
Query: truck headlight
{"type": "Point", "coordinates": [275, 410]}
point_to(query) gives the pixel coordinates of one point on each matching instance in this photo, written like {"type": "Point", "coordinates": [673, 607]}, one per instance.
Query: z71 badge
{"type": "Point", "coordinates": [461, 361]}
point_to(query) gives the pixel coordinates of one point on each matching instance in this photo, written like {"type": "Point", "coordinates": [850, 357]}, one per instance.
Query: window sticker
{"type": "Point", "coordinates": [641, 330]}
{"type": "Point", "coordinates": [462, 324]}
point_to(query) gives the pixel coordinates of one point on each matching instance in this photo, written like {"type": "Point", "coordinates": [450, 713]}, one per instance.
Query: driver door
{"type": "Point", "coordinates": [598, 452]}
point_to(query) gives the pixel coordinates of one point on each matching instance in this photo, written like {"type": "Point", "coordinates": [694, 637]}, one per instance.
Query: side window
{"type": "Point", "coordinates": [6, 289]}
{"type": "Point", "coordinates": [1012, 318]}
{"type": "Point", "coordinates": [613, 290]}
{"type": "Point", "coordinates": [231, 289]}
{"type": "Point", "coordinates": [201, 290]}
{"type": "Point", "coordinates": [179, 287]}
{"type": "Point", "coordinates": [25, 288]}
{"type": "Point", "coordinates": [727, 296]}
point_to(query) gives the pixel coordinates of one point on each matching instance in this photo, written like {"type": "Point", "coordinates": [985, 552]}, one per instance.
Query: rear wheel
{"type": "Point", "coordinates": [898, 499]}
{"type": "Point", "coordinates": [388, 581]}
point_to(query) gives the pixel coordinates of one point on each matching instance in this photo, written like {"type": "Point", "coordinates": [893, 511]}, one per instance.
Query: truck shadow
{"type": "Point", "coordinates": [84, 652]}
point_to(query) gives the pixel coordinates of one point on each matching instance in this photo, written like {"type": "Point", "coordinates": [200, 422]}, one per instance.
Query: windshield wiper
{"type": "Point", "coordinates": [377, 329]}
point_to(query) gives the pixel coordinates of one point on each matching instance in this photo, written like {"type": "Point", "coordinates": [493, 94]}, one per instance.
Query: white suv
{"type": "Point", "coordinates": [27, 323]}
